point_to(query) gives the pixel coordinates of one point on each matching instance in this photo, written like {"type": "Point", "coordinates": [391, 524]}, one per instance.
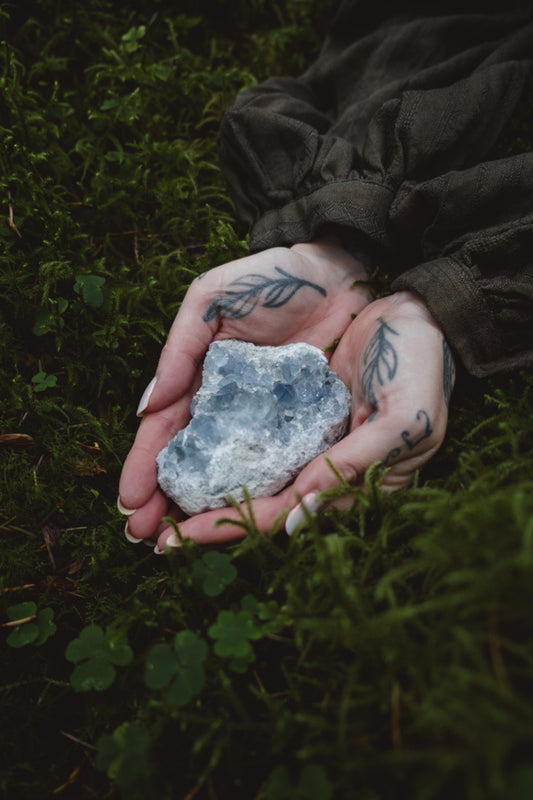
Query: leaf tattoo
{"type": "Point", "coordinates": [242, 295]}
{"type": "Point", "coordinates": [380, 360]}
{"type": "Point", "coordinates": [448, 371]}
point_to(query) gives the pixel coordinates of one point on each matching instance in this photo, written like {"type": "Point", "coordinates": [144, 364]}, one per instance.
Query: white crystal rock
{"type": "Point", "coordinates": [260, 415]}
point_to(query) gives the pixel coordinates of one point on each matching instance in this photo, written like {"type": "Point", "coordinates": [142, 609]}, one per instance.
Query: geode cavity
{"type": "Point", "coordinates": [260, 415]}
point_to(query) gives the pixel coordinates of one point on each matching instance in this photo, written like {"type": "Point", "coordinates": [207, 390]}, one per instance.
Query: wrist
{"type": "Point", "coordinates": [344, 271]}
{"type": "Point", "coordinates": [328, 251]}
{"type": "Point", "coordinates": [408, 304]}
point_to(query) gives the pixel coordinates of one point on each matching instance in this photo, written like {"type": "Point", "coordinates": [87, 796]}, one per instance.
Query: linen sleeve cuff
{"type": "Point", "coordinates": [464, 311]}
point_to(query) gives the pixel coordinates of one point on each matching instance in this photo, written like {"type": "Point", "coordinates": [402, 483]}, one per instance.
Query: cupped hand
{"type": "Point", "coordinates": [306, 293]}
{"type": "Point", "coordinates": [399, 368]}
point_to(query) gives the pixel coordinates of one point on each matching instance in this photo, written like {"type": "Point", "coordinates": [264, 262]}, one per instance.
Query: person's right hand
{"type": "Point", "coordinates": [401, 372]}
{"type": "Point", "coordinates": [279, 296]}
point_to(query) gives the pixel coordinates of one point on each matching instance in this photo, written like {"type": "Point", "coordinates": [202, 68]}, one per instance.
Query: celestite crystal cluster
{"type": "Point", "coordinates": [260, 415]}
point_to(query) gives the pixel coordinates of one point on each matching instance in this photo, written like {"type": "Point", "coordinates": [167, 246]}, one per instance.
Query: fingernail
{"type": "Point", "coordinates": [149, 543]}
{"type": "Point", "coordinates": [158, 552]}
{"type": "Point", "coordinates": [173, 541]}
{"type": "Point", "coordinates": [145, 399]}
{"type": "Point", "coordinates": [129, 537]}
{"type": "Point", "coordinates": [300, 513]}
{"type": "Point", "coordinates": [123, 510]}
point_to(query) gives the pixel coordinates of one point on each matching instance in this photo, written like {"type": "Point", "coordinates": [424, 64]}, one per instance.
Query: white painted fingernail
{"type": "Point", "coordinates": [300, 513]}
{"type": "Point", "coordinates": [145, 399]}
{"type": "Point", "coordinates": [129, 537]}
{"type": "Point", "coordinates": [149, 543]}
{"type": "Point", "coordinates": [123, 510]}
{"type": "Point", "coordinates": [158, 552]}
{"type": "Point", "coordinates": [173, 541]}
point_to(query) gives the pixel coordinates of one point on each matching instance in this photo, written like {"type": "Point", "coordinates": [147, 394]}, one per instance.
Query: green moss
{"type": "Point", "coordinates": [387, 647]}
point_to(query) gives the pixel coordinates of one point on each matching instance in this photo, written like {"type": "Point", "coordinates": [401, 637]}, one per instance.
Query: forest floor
{"type": "Point", "coordinates": [383, 652]}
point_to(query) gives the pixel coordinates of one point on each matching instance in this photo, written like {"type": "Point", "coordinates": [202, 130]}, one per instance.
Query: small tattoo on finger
{"type": "Point", "coordinates": [409, 442]}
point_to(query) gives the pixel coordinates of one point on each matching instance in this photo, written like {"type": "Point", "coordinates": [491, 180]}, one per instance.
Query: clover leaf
{"type": "Point", "coordinates": [48, 319]}
{"type": "Point", "coordinates": [161, 666]}
{"type": "Point", "coordinates": [232, 631]}
{"type": "Point", "coordinates": [89, 288]}
{"type": "Point", "coordinates": [123, 755]}
{"type": "Point", "coordinates": [214, 571]}
{"type": "Point", "coordinates": [41, 381]}
{"type": "Point", "coordinates": [44, 322]}
{"type": "Point", "coordinates": [179, 665]}
{"type": "Point", "coordinates": [95, 653]}
{"type": "Point", "coordinates": [313, 784]}
{"type": "Point", "coordinates": [46, 625]}
{"type": "Point", "coordinates": [267, 613]}
{"type": "Point", "coordinates": [35, 631]}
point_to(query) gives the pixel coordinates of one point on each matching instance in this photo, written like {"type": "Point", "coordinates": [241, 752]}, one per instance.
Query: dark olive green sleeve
{"type": "Point", "coordinates": [385, 140]}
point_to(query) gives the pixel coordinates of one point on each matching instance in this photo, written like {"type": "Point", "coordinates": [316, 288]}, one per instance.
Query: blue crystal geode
{"type": "Point", "coordinates": [260, 415]}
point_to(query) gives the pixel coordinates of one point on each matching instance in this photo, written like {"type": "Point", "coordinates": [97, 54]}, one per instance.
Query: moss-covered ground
{"type": "Point", "coordinates": [386, 651]}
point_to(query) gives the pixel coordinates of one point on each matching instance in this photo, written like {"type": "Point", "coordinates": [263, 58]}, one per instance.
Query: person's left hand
{"type": "Point", "coordinates": [400, 371]}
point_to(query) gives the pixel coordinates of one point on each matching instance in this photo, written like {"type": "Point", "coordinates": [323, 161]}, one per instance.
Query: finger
{"type": "Point", "coordinates": [174, 512]}
{"type": "Point", "coordinates": [395, 441]}
{"type": "Point", "coordinates": [225, 524]}
{"type": "Point", "coordinates": [349, 458]}
{"type": "Point", "coordinates": [182, 355]}
{"type": "Point", "coordinates": [144, 523]}
{"type": "Point", "coordinates": [138, 480]}
{"type": "Point", "coordinates": [367, 444]}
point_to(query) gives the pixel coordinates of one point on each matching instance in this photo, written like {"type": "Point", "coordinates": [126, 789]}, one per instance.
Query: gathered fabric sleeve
{"type": "Point", "coordinates": [384, 141]}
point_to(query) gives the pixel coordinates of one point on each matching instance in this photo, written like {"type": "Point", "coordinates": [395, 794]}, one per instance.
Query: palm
{"type": "Point", "coordinates": [391, 358]}
{"type": "Point", "coordinates": [303, 294]}
{"type": "Point", "coordinates": [283, 296]}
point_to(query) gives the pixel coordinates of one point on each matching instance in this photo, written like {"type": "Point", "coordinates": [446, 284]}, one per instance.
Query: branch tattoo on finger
{"type": "Point", "coordinates": [381, 362]}
{"type": "Point", "coordinates": [244, 294]}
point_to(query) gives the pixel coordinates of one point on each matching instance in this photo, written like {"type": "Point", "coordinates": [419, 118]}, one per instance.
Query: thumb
{"type": "Point", "coordinates": [181, 357]}
{"type": "Point", "coordinates": [348, 459]}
